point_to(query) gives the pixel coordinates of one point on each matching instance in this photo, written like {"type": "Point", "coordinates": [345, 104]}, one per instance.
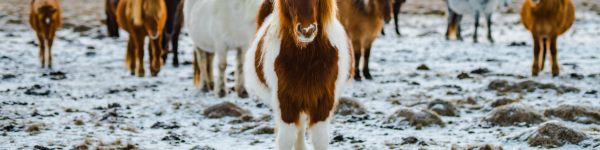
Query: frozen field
{"type": "Point", "coordinates": [89, 99]}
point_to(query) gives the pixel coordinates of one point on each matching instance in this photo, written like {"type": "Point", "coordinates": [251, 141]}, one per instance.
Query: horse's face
{"type": "Point", "coordinates": [385, 9]}
{"type": "Point", "coordinates": [303, 17]}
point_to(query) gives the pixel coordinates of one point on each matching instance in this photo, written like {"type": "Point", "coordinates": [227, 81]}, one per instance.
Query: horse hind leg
{"type": "Point", "coordinates": [196, 75]}
{"type": "Point", "coordinates": [543, 51]}
{"type": "Point", "coordinates": [536, 56]}
{"type": "Point", "coordinates": [42, 51]}
{"type": "Point", "coordinates": [475, 38]}
{"type": "Point", "coordinates": [220, 88]}
{"type": "Point", "coordinates": [356, 46]}
{"type": "Point", "coordinates": [300, 143]}
{"type": "Point", "coordinates": [286, 135]}
{"type": "Point", "coordinates": [239, 73]}
{"type": "Point", "coordinates": [488, 18]}
{"type": "Point", "coordinates": [130, 55]}
{"type": "Point", "coordinates": [554, 55]}
{"type": "Point", "coordinates": [451, 30]}
{"type": "Point", "coordinates": [139, 55]}
{"type": "Point", "coordinates": [319, 135]}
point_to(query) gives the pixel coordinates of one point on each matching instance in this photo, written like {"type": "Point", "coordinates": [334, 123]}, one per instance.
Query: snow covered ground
{"type": "Point", "coordinates": [89, 98]}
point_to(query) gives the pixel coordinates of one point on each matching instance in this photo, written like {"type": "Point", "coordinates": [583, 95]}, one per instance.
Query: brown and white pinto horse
{"type": "Point", "coordinates": [111, 18]}
{"type": "Point", "coordinates": [45, 19]}
{"type": "Point", "coordinates": [547, 19]}
{"type": "Point", "coordinates": [143, 18]}
{"type": "Point", "coordinates": [299, 63]}
{"type": "Point", "coordinates": [363, 19]}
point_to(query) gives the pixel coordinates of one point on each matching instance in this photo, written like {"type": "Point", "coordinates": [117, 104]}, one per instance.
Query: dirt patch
{"type": "Point", "coordinates": [514, 114]}
{"type": "Point", "coordinates": [529, 86]}
{"type": "Point", "coordinates": [162, 125]}
{"type": "Point", "coordinates": [198, 147]}
{"type": "Point", "coordinates": [444, 108]}
{"type": "Point", "coordinates": [579, 114]}
{"type": "Point", "coordinates": [225, 109]}
{"type": "Point", "coordinates": [477, 147]}
{"type": "Point", "coordinates": [423, 67]}
{"type": "Point", "coordinates": [58, 75]}
{"type": "Point", "coordinates": [36, 90]}
{"type": "Point", "coordinates": [416, 118]}
{"type": "Point", "coordinates": [264, 130]}
{"type": "Point", "coordinates": [552, 135]}
{"type": "Point", "coordinates": [348, 106]}
{"type": "Point", "coordinates": [503, 101]}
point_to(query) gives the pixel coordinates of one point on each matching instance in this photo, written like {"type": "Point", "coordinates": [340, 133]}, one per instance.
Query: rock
{"type": "Point", "coordinates": [161, 125]}
{"type": "Point", "coordinates": [443, 108]}
{"type": "Point", "coordinates": [529, 86]}
{"type": "Point", "coordinates": [198, 147]}
{"type": "Point", "coordinates": [418, 119]}
{"type": "Point", "coordinates": [225, 109]}
{"type": "Point", "coordinates": [58, 75]}
{"type": "Point", "coordinates": [503, 101]}
{"type": "Point", "coordinates": [463, 75]}
{"type": "Point", "coordinates": [8, 76]}
{"type": "Point", "coordinates": [575, 113]}
{"type": "Point", "coordinates": [37, 90]}
{"type": "Point", "coordinates": [348, 106]}
{"type": "Point", "coordinates": [423, 67]}
{"type": "Point", "coordinates": [480, 71]}
{"type": "Point", "coordinates": [409, 140]}
{"type": "Point", "coordinates": [514, 114]}
{"type": "Point", "coordinates": [552, 135]}
{"type": "Point", "coordinates": [477, 147]}
{"type": "Point", "coordinates": [264, 130]}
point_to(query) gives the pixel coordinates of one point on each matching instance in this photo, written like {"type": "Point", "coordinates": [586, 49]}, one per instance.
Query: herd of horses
{"type": "Point", "coordinates": [295, 55]}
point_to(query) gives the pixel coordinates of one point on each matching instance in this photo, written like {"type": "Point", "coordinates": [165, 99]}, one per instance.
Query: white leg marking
{"type": "Point", "coordinates": [319, 135]}
{"type": "Point", "coordinates": [286, 135]}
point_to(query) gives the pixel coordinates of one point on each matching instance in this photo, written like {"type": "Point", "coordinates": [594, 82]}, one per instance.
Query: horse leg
{"type": "Point", "coordinates": [139, 54]}
{"type": "Point", "coordinates": [203, 64]}
{"type": "Point", "coordinates": [397, 5]}
{"type": "Point", "coordinates": [196, 75]}
{"type": "Point", "coordinates": [156, 56]}
{"type": "Point", "coordinates": [50, 42]}
{"type": "Point", "coordinates": [130, 54]}
{"type": "Point", "coordinates": [536, 53]}
{"type": "Point", "coordinates": [554, 53]}
{"type": "Point", "coordinates": [286, 135]}
{"type": "Point", "coordinates": [220, 88]}
{"type": "Point", "coordinates": [165, 44]}
{"type": "Point", "coordinates": [459, 27]}
{"type": "Point", "coordinates": [488, 17]}
{"type": "Point", "coordinates": [366, 70]}
{"type": "Point", "coordinates": [175, 47]}
{"type": "Point", "coordinates": [357, 55]}
{"type": "Point", "coordinates": [544, 49]}
{"type": "Point", "coordinates": [300, 143]}
{"type": "Point", "coordinates": [319, 135]}
{"type": "Point", "coordinates": [42, 52]}
{"type": "Point", "coordinates": [451, 30]}
{"type": "Point", "coordinates": [209, 70]}
{"type": "Point", "coordinates": [476, 27]}
{"type": "Point", "coordinates": [239, 73]}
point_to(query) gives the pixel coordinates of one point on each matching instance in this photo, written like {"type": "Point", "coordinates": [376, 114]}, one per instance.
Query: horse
{"type": "Point", "coordinates": [397, 5]}
{"type": "Point", "coordinates": [215, 27]}
{"type": "Point", "coordinates": [363, 19]}
{"type": "Point", "coordinates": [458, 8]}
{"type": "Point", "coordinates": [298, 64]}
{"type": "Point", "coordinates": [45, 18]}
{"type": "Point", "coordinates": [143, 18]}
{"type": "Point", "coordinates": [547, 19]}
{"type": "Point", "coordinates": [173, 29]}
{"type": "Point", "coordinates": [111, 19]}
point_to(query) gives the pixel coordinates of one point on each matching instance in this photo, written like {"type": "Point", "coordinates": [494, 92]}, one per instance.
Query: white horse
{"type": "Point", "coordinates": [217, 26]}
{"type": "Point", "coordinates": [458, 8]}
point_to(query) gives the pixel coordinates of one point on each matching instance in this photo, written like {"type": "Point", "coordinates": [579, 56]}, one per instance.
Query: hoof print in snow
{"type": "Point", "coordinates": [416, 118]}
{"type": "Point", "coordinates": [463, 76]}
{"type": "Point", "coordinates": [553, 134]}
{"type": "Point", "coordinates": [443, 108]}
{"type": "Point", "coordinates": [348, 106]}
{"type": "Point", "coordinates": [225, 109]}
{"type": "Point", "coordinates": [514, 114]}
{"type": "Point", "coordinates": [579, 114]}
{"type": "Point", "coordinates": [37, 90]}
{"type": "Point", "coordinates": [529, 86]}
{"type": "Point", "coordinates": [58, 75]}
{"type": "Point", "coordinates": [423, 67]}
{"type": "Point", "coordinates": [503, 101]}
{"type": "Point", "coordinates": [198, 147]}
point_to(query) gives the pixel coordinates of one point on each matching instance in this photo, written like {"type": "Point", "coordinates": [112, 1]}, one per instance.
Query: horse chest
{"type": "Point", "coordinates": [311, 68]}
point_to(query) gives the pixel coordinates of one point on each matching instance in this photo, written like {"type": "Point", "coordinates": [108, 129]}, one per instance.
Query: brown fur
{"type": "Point", "coordinates": [265, 10]}
{"type": "Point", "coordinates": [45, 19]}
{"type": "Point", "coordinates": [259, 66]}
{"type": "Point", "coordinates": [153, 18]}
{"type": "Point", "coordinates": [308, 88]}
{"type": "Point", "coordinates": [547, 20]}
{"type": "Point", "coordinates": [363, 24]}
{"type": "Point", "coordinates": [111, 18]}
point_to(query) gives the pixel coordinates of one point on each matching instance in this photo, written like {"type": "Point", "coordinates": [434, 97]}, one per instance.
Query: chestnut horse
{"type": "Point", "coordinates": [547, 19]}
{"type": "Point", "coordinates": [298, 63]}
{"type": "Point", "coordinates": [45, 19]}
{"type": "Point", "coordinates": [111, 18]}
{"type": "Point", "coordinates": [173, 29]}
{"type": "Point", "coordinates": [143, 18]}
{"type": "Point", "coordinates": [363, 19]}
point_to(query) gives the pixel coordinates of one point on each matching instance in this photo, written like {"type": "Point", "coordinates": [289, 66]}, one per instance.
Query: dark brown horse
{"type": "Point", "coordinates": [299, 63]}
{"type": "Point", "coordinates": [397, 5]}
{"type": "Point", "coordinates": [172, 29]}
{"type": "Point", "coordinates": [111, 18]}
{"type": "Point", "coordinates": [45, 18]}
{"type": "Point", "coordinates": [143, 18]}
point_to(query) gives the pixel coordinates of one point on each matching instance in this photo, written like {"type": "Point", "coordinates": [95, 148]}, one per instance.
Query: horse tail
{"type": "Point", "coordinates": [137, 12]}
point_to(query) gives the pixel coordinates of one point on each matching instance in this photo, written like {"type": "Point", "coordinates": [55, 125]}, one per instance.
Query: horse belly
{"type": "Point", "coordinates": [462, 7]}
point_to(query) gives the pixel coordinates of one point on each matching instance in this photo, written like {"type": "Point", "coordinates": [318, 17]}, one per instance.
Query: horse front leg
{"type": "Point", "coordinates": [220, 88]}
{"type": "Point", "coordinates": [536, 53]}
{"type": "Point", "coordinates": [554, 53]}
{"type": "Point", "coordinates": [356, 46]}
{"type": "Point", "coordinates": [130, 58]}
{"type": "Point", "coordinates": [50, 43]}
{"type": "Point", "coordinates": [239, 73]}
{"type": "Point", "coordinates": [488, 17]}
{"type": "Point", "coordinates": [367, 53]}
{"type": "Point", "coordinates": [319, 135]}
{"type": "Point", "coordinates": [475, 38]}
{"type": "Point", "coordinates": [139, 55]}
{"type": "Point", "coordinates": [42, 51]}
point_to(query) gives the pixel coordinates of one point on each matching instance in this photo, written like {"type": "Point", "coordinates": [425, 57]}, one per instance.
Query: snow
{"type": "Point", "coordinates": [96, 77]}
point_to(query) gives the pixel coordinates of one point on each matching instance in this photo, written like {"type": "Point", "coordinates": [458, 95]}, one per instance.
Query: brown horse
{"type": "Point", "coordinates": [111, 18]}
{"type": "Point", "coordinates": [143, 18]}
{"type": "Point", "coordinates": [397, 5]}
{"type": "Point", "coordinates": [299, 63]}
{"type": "Point", "coordinates": [173, 29]}
{"type": "Point", "coordinates": [547, 19]}
{"type": "Point", "coordinates": [45, 19]}
{"type": "Point", "coordinates": [363, 19]}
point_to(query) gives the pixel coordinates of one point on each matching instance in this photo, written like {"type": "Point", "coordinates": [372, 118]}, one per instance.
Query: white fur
{"type": "Point", "coordinates": [469, 7]}
{"type": "Point", "coordinates": [288, 134]}
{"type": "Point", "coordinates": [217, 26]}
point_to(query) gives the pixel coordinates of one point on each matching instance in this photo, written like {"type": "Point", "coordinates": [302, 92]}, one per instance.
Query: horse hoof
{"type": "Point", "coordinates": [221, 93]}
{"type": "Point", "coordinates": [357, 78]}
{"type": "Point", "coordinates": [243, 94]}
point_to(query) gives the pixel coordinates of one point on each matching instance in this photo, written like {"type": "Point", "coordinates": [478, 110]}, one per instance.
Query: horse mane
{"type": "Point", "coordinates": [137, 12]}
{"type": "Point", "coordinates": [265, 10]}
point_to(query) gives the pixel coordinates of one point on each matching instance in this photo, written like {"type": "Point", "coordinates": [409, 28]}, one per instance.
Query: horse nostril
{"type": "Point", "coordinates": [306, 30]}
